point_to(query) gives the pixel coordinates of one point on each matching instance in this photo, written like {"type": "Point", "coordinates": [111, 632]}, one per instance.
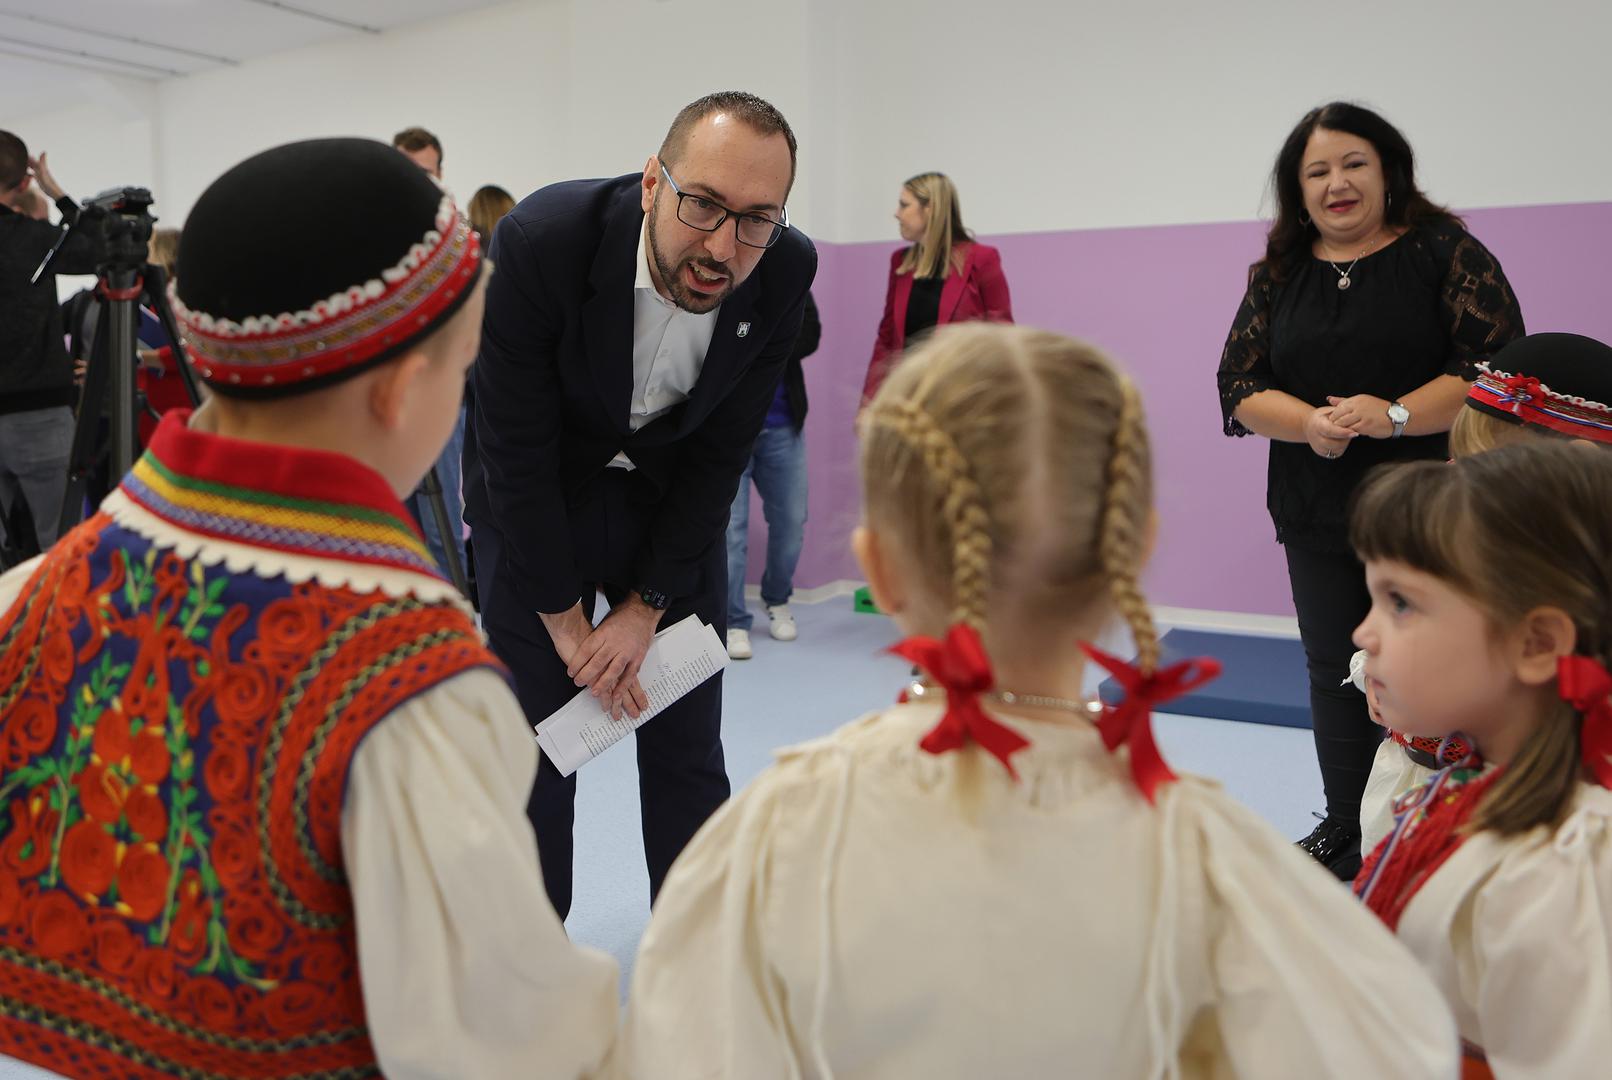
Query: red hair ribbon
{"type": "Point", "coordinates": [1521, 389]}
{"type": "Point", "coordinates": [960, 667]}
{"type": "Point", "coordinates": [1585, 685]}
{"type": "Point", "coordinates": [1130, 722]}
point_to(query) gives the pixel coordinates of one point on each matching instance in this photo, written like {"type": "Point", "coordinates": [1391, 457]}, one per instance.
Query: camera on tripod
{"type": "Point", "coordinates": [117, 225]}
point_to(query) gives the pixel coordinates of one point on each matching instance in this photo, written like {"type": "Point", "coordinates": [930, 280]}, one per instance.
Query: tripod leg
{"type": "Point", "coordinates": [431, 488]}
{"type": "Point", "coordinates": [82, 458]}
{"type": "Point", "coordinates": [156, 294]}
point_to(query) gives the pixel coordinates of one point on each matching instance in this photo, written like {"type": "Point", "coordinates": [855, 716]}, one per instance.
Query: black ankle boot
{"type": "Point", "coordinates": [1335, 844]}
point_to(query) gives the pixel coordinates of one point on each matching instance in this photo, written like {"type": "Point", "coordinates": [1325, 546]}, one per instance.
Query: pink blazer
{"type": "Point", "coordinates": [978, 291]}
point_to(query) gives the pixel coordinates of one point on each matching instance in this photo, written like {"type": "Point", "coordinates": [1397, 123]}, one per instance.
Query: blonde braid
{"type": "Point", "coordinates": [962, 502]}
{"type": "Point", "coordinates": [1121, 541]}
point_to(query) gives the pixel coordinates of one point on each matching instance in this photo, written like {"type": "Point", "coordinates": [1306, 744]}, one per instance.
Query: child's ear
{"type": "Point", "coordinates": [1545, 635]}
{"type": "Point", "coordinates": [389, 392]}
{"type": "Point", "coordinates": [883, 581]}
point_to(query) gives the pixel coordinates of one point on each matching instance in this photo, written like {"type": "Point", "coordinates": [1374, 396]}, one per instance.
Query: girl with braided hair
{"type": "Point", "coordinates": [996, 877]}
{"type": "Point", "coordinates": [1491, 626]}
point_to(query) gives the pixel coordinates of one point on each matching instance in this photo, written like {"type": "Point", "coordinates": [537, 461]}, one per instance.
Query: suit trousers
{"type": "Point", "coordinates": [682, 777]}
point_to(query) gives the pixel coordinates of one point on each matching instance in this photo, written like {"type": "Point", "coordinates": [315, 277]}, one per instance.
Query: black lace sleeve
{"type": "Point", "coordinates": [1245, 365]}
{"type": "Point", "coordinates": [1481, 310]}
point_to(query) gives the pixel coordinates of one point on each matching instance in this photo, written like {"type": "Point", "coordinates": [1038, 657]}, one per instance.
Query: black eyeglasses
{"type": "Point", "coordinates": [750, 228]}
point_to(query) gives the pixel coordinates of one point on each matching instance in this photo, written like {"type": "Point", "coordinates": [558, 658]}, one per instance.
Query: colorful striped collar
{"type": "Point", "coordinates": [314, 503]}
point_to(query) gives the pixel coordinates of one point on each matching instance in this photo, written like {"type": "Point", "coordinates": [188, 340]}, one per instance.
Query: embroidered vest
{"type": "Point", "coordinates": [176, 738]}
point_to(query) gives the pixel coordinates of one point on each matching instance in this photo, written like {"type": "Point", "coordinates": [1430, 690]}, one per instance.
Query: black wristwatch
{"type": "Point", "coordinates": [654, 598]}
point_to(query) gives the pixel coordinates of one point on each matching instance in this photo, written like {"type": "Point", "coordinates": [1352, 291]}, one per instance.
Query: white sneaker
{"type": "Point", "coordinates": [739, 645]}
{"type": "Point", "coordinates": [782, 623]}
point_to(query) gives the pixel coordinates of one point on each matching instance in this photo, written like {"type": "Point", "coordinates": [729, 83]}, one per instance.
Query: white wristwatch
{"type": "Point", "coordinates": [1399, 416]}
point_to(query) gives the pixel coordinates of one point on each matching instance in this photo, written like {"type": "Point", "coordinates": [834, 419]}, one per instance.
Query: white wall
{"type": "Point", "coordinates": [1051, 115]}
{"type": "Point", "coordinates": [1054, 115]}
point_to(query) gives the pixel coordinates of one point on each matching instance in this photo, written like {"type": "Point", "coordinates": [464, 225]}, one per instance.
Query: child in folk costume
{"type": "Point", "coordinates": [1491, 621]}
{"type": "Point", "coordinates": [264, 787]}
{"type": "Point", "coordinates": [1540, 386]}
{"type": "Point", "coordinates": [996, 877]}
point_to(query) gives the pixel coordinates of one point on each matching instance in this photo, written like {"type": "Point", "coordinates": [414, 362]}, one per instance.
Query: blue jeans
{"type": "Point", "coordinates": [778, 466]}
{"type": "Point", "coordinates": [448, 468]}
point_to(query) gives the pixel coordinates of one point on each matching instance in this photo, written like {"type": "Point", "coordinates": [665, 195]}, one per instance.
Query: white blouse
{"type": "Point", "coordinates": [465, 965]}
{"type": "Point", "coordinates": [1517, 933]}
{"type": "Point", "coordinates": [866, 909]}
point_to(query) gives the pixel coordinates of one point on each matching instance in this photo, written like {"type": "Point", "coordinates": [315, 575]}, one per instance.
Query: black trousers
{"type": "Point", "coordinates": [1329, 592]}
{"type": "Point", "coordinates": [682, 778]}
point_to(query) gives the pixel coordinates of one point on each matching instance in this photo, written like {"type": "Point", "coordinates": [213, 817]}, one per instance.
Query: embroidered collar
{"type": "Point", "coordinates": [311, 503]}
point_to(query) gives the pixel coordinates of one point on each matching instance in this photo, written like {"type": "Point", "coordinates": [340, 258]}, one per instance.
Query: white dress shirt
{"type": "Point", "coordinates": [668, 349]}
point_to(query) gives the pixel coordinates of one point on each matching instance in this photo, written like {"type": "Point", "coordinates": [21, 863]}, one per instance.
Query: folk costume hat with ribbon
{"type": "Point", "coordinates": [1557, 382]}
{"type": "Point", "coordinates": [310, 263]}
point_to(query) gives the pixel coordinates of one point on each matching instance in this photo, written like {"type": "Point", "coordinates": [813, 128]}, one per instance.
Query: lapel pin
{"type": "Point", "coordinates": [744, 329]}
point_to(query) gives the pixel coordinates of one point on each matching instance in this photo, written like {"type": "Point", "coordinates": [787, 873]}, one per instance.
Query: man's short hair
{"type": "Point", "coordinates": [761, 116]}
{"type": "Point", "coordinates": [415, 139]}
{"type": "Point", "coordinates": [13, 161]}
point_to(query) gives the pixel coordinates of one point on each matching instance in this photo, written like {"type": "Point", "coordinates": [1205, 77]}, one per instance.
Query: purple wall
{"type": "Point", "coordinates": [1160, 299]}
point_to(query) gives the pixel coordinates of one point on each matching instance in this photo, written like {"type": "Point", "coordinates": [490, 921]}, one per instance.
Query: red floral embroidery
{"type": "Point", "coordinates": [116, 948]}
{"type": "Point", "coordinates": [31, 727]}
{"type": "Point", "coordinates": [89, 859]}
{"type": "Point", "coordinates": [146, 814]}
{"type": "Point", "coordinates": [58, 925]}
{"type": "Point", "coordinates": [143, 882]}
{"type": "Point", "coordinates": [135, 850]}
{"type": "Point", "coordinates": [102, 792]}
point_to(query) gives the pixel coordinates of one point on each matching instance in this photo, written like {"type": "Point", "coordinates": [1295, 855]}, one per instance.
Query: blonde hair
{"type": "Point", "coordinates": [164, 249]}
{"type": "Point", "coordinates": [1514, 529]}
{"type": "Point", "coordinates": [1477, 432]}
{"type": "Point", "coordinates": [486, 206]}
{"type": "Point", "coordinates": [932, 255]}
{"type": "Point", "coordinates": [1012, 468]}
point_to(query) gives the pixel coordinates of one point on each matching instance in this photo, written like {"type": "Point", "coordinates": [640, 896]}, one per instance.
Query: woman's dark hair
{"type": "Point", "coordinates": [1292, 231]}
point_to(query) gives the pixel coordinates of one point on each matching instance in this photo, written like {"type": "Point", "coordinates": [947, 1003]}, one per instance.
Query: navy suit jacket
{"type": "Point", "coordinates": [552, 387]}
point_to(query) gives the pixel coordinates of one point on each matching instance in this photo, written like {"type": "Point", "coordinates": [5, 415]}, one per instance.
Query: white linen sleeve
{"type": "Point", "coordinates": [705, 1001]}
{"type": "Point", "coordinates": [1540, 967]}
{"type": "Point", "coordinates": [1307, 981]}
{"type": "Point", "coordinates": [466, 969]}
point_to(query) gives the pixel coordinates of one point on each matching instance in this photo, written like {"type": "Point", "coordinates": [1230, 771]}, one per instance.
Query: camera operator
{"type": "Point", "coordinates": [36, 380]}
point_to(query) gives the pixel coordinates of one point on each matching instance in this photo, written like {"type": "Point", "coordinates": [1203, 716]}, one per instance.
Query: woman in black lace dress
{"type": "Point", "coordinates": [1353, 346]}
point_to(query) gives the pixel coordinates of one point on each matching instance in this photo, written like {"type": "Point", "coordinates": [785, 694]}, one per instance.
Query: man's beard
{"type": "Point", "coordinates": [685, 298]}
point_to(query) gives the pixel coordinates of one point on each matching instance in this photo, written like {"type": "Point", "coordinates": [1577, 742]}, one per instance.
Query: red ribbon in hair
{"type": "Point", "coordinates": [1521, 389]}
{"type": "Point", "coordinates": [959, 666]}
{"type": "Point", "coordinates": [1584, 684]}
{"type": "Point", "coordinates": [1130, 722]}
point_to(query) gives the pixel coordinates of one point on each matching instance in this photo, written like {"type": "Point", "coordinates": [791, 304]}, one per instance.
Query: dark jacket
{"type": "Point", "coordinates": [34, 370]}
{"type": "Point", "coordinates": [552, 390]}
{"type": "Point", "coordinates": [811, 332]}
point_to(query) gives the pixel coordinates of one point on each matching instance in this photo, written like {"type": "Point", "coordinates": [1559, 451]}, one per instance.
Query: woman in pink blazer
{"type": "Point", "coordinates": [941, 277]}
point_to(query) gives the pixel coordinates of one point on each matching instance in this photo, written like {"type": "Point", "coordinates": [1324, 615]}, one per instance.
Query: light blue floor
{"type": "Point", "coordinates": [834, 673]}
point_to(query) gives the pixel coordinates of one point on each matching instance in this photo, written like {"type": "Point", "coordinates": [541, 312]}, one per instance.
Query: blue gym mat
{"type": "Point", "coordinates": [1264, 680]}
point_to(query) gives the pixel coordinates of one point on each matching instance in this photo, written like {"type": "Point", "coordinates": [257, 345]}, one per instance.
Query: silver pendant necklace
{"type": "Point", "coordinates": [1343, 275]}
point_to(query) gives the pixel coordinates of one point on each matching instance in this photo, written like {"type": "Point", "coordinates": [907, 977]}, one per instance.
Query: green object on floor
{"type": "Point", "coordinates": [864, 602]}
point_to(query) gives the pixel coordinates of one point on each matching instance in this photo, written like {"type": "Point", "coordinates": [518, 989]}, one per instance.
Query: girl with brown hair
{"type": "Point", "coordinates": [1549, 386]}
{"type": "Point", "coordinates": [999, 877]}
{"type": "Point", "coordinates": [1491, 623]}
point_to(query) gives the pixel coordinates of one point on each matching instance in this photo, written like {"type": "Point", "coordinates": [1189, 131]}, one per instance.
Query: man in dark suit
{"type": "Point", "coordinates": [636, 330]}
